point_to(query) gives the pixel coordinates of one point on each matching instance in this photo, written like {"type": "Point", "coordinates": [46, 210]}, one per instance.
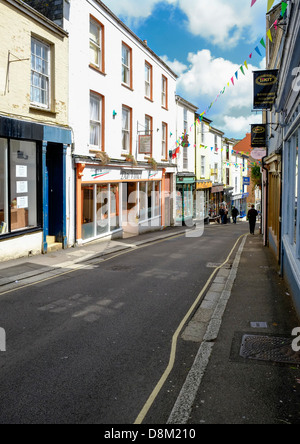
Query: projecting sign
{"type": "Point", "coordinates": [265, 88]}
{"type": "Point", "coordinates": [258, 136]}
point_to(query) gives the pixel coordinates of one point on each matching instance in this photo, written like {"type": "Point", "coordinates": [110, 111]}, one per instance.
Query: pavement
{"type": "Point", "coordinates": [246, 371]}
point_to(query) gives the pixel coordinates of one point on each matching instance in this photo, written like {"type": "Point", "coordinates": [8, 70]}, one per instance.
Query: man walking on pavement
{"type": "Point", "coordinates": [234, 213]}
{"type": "Point", "coordinates": [252, 216]}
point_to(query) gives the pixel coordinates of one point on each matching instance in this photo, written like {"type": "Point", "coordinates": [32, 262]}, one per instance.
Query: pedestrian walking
{"type": "Point", "coordinates": [222, 214]}
{"type": "Point", "coordinates": [235, 212]}
{"type": "Point", "coordinates": [252, 216]}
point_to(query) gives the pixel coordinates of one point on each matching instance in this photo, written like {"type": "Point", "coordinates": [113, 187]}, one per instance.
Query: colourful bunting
{"type": "Point", "coordinates": [284, 8]}
{"type": "Point", "coordinates": [262, 42]}
{"type": "Point", "coordinates": [270, 4]}
{"type": "Point", "coordinates": [269, 34]}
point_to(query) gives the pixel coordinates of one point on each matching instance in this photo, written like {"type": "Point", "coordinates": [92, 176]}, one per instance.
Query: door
{"type": "Point", "coordinates": [56, 191]}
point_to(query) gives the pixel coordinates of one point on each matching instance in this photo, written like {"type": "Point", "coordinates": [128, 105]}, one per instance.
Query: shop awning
{"type": "Point", "coordinates": [217, 189]}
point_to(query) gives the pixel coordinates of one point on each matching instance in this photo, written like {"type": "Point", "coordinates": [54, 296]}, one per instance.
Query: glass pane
{"type": "Point", "coordinates": [296, 191]}
{"type": "Point", "coordinates": [114, 207]}
{"type": "Point", "coordinates": [102, 209]}
{"type": "Point", "coordinates": [88, 212]}
{"type": "Point", "coordinates": [156, 199]}
{"type": "Point", "coordinates": [150, 196]}
{"type": "Point", "coordinates": [3, 187]}
{"type": "Point", "coordinates": [143, 201]}
{"type": "Point", "coordinates": [23, 174]}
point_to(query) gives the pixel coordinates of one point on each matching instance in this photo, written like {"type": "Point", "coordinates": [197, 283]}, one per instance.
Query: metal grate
{"type": "Point", "coordinates": [267, 348]}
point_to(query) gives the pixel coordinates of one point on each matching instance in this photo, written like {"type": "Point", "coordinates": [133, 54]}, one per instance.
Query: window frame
{"type": "Point", "coordinates": [128, 68]}
{"type": "Point", "coordinates": [164, 93]}
{"type": "Point", "coordinates": [101, 122]}
{"type": "Point", "coordinates": [101, 46]}
{"type": "Point", "coordinates": [150, 82]}
{"type": "Point", "coordinates": [164, 147]}
{"type": "Point", "coordinates": [48, 76]}
{"type": "Point", "coordinates": [128, 131]}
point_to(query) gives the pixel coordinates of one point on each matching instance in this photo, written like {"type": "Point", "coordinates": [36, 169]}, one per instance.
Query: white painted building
{"type": "Point", "coordinates": [185, 152]}
{"type": "Point", "coordinates": [123, 112]}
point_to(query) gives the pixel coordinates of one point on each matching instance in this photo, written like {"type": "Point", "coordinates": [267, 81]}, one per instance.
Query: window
{"type": "Point", "coordinates": [296, 189]}
{"type": "Point", "coordinates": [216, 144]}
{"type": "Point", "coordinates": [3, 187]}
{"type": "Point", "coordinates": [96, 44]}
{"type": "Point", "coordinates": [126, 130]}
{"type": "Point", "coordinates": [126, 65]}
{"type": "Point", "coordinates": [164, 141]}
{"type": "Point", "coordinates": [164, 92]}
{"type": "Point", "coordinates": [203, 161]}
{"type": "Point", "coordinates": [227, 177]}
{"type": "Point", "coordinates": [18, 186]}
{"type": "Point", "coordinates": [40, 74]}
{"type": "Point", "coordinates": [185, 120]}
{"type": "Point", "coordinates": [185, 158]}
{"type": "Point", "coordinates": [96, 114]}
{"type": "Point", "coordinates": [148, 81]}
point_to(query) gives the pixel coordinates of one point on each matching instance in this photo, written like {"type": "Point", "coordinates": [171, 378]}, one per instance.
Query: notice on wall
{"type": "Point", "coordinates": [22, 202]}
{"type": "Point", "coordinates": [21, 171]}
{"type": "Point", "coordinates": [22, 187]}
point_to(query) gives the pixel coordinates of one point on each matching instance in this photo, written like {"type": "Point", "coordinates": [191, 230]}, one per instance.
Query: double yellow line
{"type": "Point", "coordinates": [170, 367]}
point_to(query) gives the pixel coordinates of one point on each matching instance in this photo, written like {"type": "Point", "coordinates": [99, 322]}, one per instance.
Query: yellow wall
{"type": "Point", "coordinates": [16, 29]}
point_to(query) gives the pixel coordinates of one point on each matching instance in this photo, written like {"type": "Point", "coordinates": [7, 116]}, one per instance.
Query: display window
{"type": "Point", "coordinates": [20, 207]}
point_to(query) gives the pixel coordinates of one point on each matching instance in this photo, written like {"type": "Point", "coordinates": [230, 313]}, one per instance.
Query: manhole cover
{"type": "Point", "coordinates": [266, 348]}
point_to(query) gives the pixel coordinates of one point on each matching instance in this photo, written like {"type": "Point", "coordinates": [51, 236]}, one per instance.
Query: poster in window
{"type": "Point", "coordinates": [21, 171]}
{"type": "Point", "coordinates": [22, 187]}
{"type": "Point", "coordinates": [22, 202]}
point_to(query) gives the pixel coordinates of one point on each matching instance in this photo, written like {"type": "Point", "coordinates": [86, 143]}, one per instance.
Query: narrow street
{"type": "Point", "coordinates": [90, 346]}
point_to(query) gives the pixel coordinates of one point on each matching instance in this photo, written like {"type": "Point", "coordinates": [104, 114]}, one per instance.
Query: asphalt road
{"type": "Point", "coordinates": [90, 346]}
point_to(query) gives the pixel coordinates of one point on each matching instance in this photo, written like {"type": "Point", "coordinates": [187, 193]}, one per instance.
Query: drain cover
{"type": "Point", "coordinates": [267, 348]}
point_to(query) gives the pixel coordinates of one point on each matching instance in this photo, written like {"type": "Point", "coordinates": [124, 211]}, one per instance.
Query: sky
{"type": "Point", "coordinates": [205, 42]}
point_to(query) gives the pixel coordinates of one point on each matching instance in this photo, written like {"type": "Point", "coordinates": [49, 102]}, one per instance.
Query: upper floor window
{"type": "Point", "coordinates": [164, 141]}
{"type": "Point", "coordinates": [164, 92]}
{"type": "Point", "coordinates": [96, 44]}
{"type": "Point", "coordinates": [185, 120]}
{"type": "Point", "coordinates": [40, 74]}
{"type": "Point", "coordinates": [126, 65]}
{"type": "Point", "coordinates": [96, 116]}
{"type": "Point", "coordinates": [148, 81]}
{"type": "Point", "coordinates": [126, 129]}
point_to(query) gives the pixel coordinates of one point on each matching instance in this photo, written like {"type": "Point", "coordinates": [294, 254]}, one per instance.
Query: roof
{"type": "Point", "coordinates": [244, 145]}
{"type": "Point", "coordinates": [186, 103]}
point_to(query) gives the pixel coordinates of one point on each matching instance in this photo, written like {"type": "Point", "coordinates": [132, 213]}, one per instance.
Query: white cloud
{"type": "Point", "coordinates": [220, 22]}
{"type": "Point", "coordinates": [205, 77]}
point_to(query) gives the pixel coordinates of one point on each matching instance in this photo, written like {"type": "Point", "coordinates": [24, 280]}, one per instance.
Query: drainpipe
{"type": "Point", "coordinates": [267, 202]}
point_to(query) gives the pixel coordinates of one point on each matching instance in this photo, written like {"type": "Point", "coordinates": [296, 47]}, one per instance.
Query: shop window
{"type": "Point", "coordinates": [143, 200]}
{"type": "Point", "coordinates": [102, 209]}
{"type": "Point", "coordinates": [114, 207]}
{"type": "Point", "coordinates": [3, 188]}
{"type": "Point", "coordinates": [23, 189]}
{"type": "Point", "coordinates": [88, 212]}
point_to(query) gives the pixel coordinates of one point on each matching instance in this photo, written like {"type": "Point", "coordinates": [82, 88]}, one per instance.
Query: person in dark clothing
{"type": "Point", "coordinates": [222, 214]}
{"type": "Point", "coordinates": [234, 213]}
{"type": "Point", "coordinates": [252, 216]}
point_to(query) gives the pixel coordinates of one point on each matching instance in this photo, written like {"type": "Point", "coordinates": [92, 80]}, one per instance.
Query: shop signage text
{"type": "Point", "coordinates": [265, 88]}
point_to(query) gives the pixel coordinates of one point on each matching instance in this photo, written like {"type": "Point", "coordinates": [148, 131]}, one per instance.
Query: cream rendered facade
{"type": "Point", "coordinates": [33, 130]}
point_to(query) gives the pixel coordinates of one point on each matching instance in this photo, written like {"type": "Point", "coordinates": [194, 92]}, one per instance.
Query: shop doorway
{"type": "Point", "coordinates": [56, 187]}
{"type": "Point", "coordinates": [129, 203]}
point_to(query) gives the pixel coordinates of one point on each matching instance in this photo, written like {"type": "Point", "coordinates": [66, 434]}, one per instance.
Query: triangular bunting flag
{"type": "Point", "coordinates": [284, 8]}
{"type": "Point", "coordinates": [250, 56]}
{"type": "Point", "coordinates": [232, 80]}
{"type": "Point", "coordinates": [269, 34]}
{"type": "Point", "coordinates": [276, 24]}
{"type": "Point", "coordinates": [242, 69]}
{"type": "Point", "coordinates": [236, 75]}
{"type": "Point", "coordinates": [270, 4]}
{"type": "Point", "coordinates": [258, 51]}
{"type": "Point", "coordinates": [246, 64]}
{"type": "Point", "coordinates": [253, 3]}
{"type": "Point", "coordinates": [263, 43]}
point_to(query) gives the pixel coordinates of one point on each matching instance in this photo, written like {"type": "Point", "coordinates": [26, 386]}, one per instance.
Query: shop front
{"type": "Point", "coordinates": [203, 189]}
{"type": "Point", "coordinates": [185, 198]}
{"type": "Point", "coordinates": [29, 176]}
{"type": "Point", "coordinates": [117, 201]}
{"type": "Point", "coordinates": [216, 201]}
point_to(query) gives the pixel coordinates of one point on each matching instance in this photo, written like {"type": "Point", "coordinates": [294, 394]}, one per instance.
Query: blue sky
{"type": "Point", "coordinates": [205, 42]}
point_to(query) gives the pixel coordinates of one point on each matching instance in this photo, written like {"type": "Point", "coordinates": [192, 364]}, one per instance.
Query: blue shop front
{"type": "Point", "coordinates": [32, 187]}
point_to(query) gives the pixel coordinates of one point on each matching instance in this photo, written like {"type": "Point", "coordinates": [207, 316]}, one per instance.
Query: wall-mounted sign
{"type": "Point", "coordinates": [258, 136]}
{"type": "Point", "coordinates": [246, 181]}
{"type": "Point", "coordinates": [145, 144]}
{"type": "Point", "coordinates": [265, 88]}
{"type": "Point", "coordinates": [258, 154]}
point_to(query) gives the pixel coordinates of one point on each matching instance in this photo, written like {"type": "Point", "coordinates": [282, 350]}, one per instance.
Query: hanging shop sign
{"type": "Point", "coordinates": [265, 88]}
{"type": "Point", "coordinates": [258, 136]}
{"type": "Point", "coordinates": [258, 154]}
{"type": "Point", "coordinates": [145, 144]}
